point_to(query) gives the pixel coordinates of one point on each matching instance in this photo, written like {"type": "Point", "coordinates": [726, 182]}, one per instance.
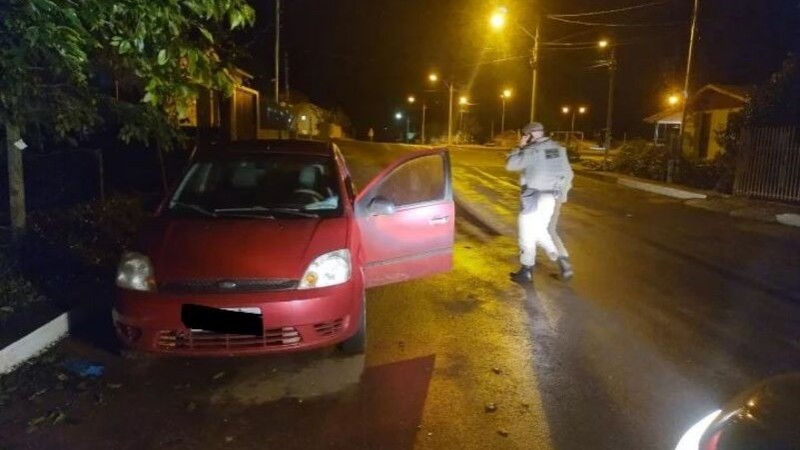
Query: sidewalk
{"type": "Point", "coordinates": [764, 211]}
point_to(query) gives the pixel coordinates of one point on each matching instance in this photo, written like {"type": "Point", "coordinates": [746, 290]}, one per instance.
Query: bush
{"type": "Point", "coordinates": [700, 173]}
{"type": "Point", "coordinates": [93, 233]}
{"type": "Point", "coordinates": [643, 159]}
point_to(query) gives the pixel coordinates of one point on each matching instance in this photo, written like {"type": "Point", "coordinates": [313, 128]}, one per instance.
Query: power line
{"type": "Point", "coordinates": [615, 25]}
{"type": "Point", "coordinates": [612, 11]}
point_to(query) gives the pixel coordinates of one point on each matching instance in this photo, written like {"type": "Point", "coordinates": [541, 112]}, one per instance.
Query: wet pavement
{"type": "Point", "coordinates": [673, 310]}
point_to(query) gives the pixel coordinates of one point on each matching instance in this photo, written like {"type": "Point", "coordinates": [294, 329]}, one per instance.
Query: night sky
{"type": "Point", "coordinates": [368, 56]}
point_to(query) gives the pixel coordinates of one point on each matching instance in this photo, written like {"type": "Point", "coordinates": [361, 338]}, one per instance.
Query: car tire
{"type": "Point", "coordinates": [357, 344]}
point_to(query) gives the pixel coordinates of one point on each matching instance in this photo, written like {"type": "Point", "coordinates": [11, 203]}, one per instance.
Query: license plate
{"type": "Point", "coordinates": [242, 320]}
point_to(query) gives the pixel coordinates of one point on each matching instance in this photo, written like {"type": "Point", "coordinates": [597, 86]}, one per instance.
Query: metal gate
{"type": "Point", "coordinates": [768, 165]}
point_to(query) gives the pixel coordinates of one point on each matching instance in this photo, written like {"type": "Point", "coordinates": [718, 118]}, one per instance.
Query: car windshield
{"type": "Point", "coordinates": [259, 186]}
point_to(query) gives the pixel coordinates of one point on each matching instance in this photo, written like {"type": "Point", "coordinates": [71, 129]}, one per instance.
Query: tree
{"type": "Point", "coordinates": [52, 53]}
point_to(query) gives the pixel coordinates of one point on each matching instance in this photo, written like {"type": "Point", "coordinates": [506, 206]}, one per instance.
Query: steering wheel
{"type": "Point", "coordinates": [310, 192]}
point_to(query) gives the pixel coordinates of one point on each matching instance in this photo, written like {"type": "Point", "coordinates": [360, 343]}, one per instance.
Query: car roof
{"type": "Point", "coordinates": [318, 148]}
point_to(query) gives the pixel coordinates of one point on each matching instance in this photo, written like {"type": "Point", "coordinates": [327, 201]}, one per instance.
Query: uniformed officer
{"type": "Point", "coordinates": [545, 177]}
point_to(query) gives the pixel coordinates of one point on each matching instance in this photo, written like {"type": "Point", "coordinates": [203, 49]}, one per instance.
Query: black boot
{"type": "Point", "coordinates": [566, 268]}
{"type": "Point", "coordinates": [523, 275]}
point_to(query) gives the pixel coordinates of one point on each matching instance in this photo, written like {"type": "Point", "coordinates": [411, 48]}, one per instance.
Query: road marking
{"type": "Point", "coordinates": [498, 180]}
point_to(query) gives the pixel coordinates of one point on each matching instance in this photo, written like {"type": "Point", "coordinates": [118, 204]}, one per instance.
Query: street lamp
{"type": "Point", "coordinates": [579, 110]}
{"type": "Point", "coordinates": [497, 22]}
{"type": "Point", "coordinates": [504, 96]}
{"type": "Point", "coordinates": [463, 101]}
{"type": "Point", "coordinates": [673, 100]}
{"type": "Point", "coordinates": [412, 100]}
{"type": "Point", "coordinates": [611, 62]}
{"type": "Point", "coordinates": [433, 78]}
{"type": "Point", "coordinates": [399, 116]}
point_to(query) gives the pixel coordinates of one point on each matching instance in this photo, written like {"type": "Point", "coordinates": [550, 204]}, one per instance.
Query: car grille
{"type": "Point", "coordinates": [329, 328]}
{"type": "Point", "coordinates": [204, 340]}
{"type": "Point", "coordinates": [228, 286]}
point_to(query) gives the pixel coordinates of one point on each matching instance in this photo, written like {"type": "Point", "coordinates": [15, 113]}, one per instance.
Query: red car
{"type": "Point", "coordinates": [265, 247]}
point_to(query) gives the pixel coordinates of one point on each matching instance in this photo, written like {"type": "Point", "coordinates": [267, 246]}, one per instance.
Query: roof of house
{"type": "Point", "coordinates": [728, 96]}
{"type": "Point", "coordinates": [667, 116]}
{"type": "Point", "coordinates": [739, 92]}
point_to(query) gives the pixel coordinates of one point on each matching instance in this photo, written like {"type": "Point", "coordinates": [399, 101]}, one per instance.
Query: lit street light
{"type": "Point", "coordinates": [412, 100]}
{"type": "Point", "coordinates": [504, 96]}
{"type": "Point", "coordinates": [497, 22]}
{"type": "Point", "coordinates": [498, 19]}
{"type": "Point", "coordinates": [566, 110]}
{"type": "Point", "coordinates": [673, 100]}
{"type": "Point", "coordinates": [463, 101]}
{"type": "Point", "coordinates": [399, 116]}
{"type": "Point", "coordinates": [433, 79]}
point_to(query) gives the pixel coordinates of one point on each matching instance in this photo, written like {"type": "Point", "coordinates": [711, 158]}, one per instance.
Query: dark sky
{"type": "Point", "coordinates": [368, 56]}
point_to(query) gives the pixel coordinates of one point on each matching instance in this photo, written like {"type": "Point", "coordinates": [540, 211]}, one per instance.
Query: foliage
{"type": "Point", "coordinates": [94, 233]}
{"type": "Point", "coordinates": [54, 52]}
{"type": "Point", "coordinates": [643, 159]}
{"type": "Point", "coordinates": [15, 291]}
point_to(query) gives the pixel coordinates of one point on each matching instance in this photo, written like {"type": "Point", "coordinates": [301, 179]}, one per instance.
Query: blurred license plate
{"type": "Point", "coordinates": [245, 320]}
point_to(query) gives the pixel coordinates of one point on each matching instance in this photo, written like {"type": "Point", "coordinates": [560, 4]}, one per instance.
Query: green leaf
{"type": "Point", "coordinates": [162, 57]}
{"type": "Point", "coordinates": [207, 34]}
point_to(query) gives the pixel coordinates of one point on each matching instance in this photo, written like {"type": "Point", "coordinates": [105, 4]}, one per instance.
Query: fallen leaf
{"type": "Point", "coordinates": [191, 406]}
{"type": "Point", "coordinates": [497, 370]}
{"type": "Point", "coordinates": [503, 433]}
{"type": "Point", "coordinates": [114, 385]}
{"type": "Point", "coordinates": [218, 376]}
{"type": "Point", "coordinates": [490, 407]}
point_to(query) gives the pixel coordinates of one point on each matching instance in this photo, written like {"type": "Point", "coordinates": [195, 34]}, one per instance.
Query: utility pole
{"type": "Point", "coordinates": [503, 116]}
{"type": "Point", "coordinates": [535, 64]}
{"type": "Point", "coordinates": [687, 79]}
{"type": "Point", "coordinates": [612, 67]}
{"type": "Point", "coordinates": [424, 109]}
{"type": "Point", "coordinates": [450, 118]}
{"type": "Point", "coordinates": [286, 75]}
{"type": "Point", "coordinates": [278, 52]}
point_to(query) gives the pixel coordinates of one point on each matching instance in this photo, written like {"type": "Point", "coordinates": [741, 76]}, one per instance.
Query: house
{"type": "Point", "coordinates": [235, 118]}
{"type": "Point", "coordinates": [708, 112]}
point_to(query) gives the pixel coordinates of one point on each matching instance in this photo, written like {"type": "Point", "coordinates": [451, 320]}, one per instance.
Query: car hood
{"type": "Point", "coordinates": [218, 249]}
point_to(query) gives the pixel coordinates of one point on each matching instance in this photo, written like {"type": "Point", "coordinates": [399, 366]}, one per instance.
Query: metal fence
{"type": "Point", "coordinates": [768, 165]}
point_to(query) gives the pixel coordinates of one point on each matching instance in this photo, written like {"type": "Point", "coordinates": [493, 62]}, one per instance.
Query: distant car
{"type": "Point", "coordinates": [266, 247]}
{"type": "Point", "coordinates": [764, 417]}
{"type": "Point", "coordinates": [490, 144]}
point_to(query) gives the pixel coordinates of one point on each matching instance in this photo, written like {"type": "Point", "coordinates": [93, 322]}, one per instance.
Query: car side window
{"type": "Point", "coordinates": [419, 180]}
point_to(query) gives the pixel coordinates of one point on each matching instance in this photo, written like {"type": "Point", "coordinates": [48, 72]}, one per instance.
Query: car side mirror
{"type": "Point", "coordinates": [381, 206]}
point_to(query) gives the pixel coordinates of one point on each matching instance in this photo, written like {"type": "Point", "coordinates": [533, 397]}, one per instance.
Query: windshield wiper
{"type": "Point", "coordinates": [194, 207]}
{"type": "Point", "coordinates": [267, 210]}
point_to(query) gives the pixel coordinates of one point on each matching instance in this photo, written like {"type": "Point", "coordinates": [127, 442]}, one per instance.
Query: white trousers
{"type": "Point", "coordinates": [533, 231]}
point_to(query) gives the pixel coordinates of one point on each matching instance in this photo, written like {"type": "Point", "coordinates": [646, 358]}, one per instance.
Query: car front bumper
{"type": "Point", "coordinates": [292, 320]}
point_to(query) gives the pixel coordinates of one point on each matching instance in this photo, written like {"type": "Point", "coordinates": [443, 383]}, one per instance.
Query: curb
{"type": "Point", "coordinates": [34, 344]}
{"type": "Point", "coordinates": [495, 226]}
{"type": "Point", "coordinates": [658, 189]}
{"type": "Point", "coordinates": [640, 185]}
{"type": "Point", "coordinates": [790, 219]}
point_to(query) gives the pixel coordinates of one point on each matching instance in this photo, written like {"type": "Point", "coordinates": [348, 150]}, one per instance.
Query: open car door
{"type": "Point", "coordinates": [406, 217]}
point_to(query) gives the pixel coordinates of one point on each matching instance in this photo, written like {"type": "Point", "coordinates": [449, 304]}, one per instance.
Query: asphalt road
{"type": "Point", "coordinates": [672, 311]}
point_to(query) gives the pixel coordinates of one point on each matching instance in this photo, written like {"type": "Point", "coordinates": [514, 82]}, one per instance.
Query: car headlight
{"type": "Point", "coordinates": [329, 269]}
{"type": "Point", "coordinates": [691, 440]}
{"type": "Point", "coordinates": [135, 272]}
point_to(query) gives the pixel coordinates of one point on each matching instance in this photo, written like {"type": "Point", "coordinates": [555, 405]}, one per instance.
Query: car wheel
{"type": "Point", "coordinates": [357, 344]}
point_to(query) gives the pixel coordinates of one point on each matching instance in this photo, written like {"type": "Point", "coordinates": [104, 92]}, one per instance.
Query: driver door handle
{"type": "Point", "coordinates": [439, 220]}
